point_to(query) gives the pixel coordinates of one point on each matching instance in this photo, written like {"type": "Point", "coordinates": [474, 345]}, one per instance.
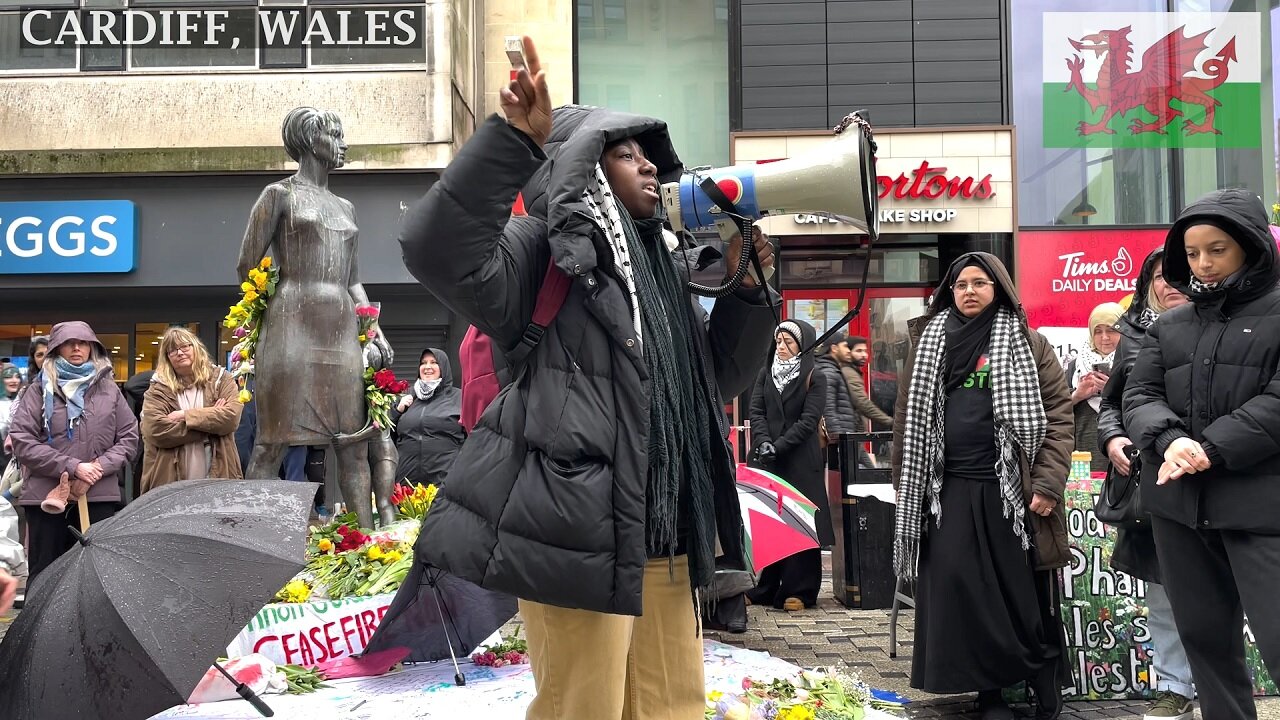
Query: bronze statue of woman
{"type": "Point", "coordinates": [308, 366]}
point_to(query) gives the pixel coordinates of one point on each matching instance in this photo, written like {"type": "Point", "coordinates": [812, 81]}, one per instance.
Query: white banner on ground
{"type": "Point", "coordinates": [313, 632]}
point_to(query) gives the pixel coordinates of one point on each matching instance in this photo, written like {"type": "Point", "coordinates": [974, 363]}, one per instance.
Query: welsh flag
{"type": "Point", "coordinates": [1134, 80]}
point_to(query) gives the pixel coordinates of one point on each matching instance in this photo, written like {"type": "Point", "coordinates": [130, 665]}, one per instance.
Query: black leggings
{"type": "Point", "coordinates": [50, 537]}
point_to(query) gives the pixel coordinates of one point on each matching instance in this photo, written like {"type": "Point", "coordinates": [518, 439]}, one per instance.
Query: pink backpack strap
{"type": "Point", "coordinates": [551, 296]}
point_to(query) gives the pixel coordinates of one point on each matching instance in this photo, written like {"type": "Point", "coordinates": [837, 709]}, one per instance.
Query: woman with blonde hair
{"type": "Point", "coordinates": [189, 415]}
{"type": "Point", "coordinates": [1093, 369]}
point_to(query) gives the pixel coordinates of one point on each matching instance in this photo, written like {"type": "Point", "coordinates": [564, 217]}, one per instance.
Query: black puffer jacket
{"type": "Point", "coordinates": [789, 420]}
{"type": "Point", "coordinates": [1135, 548]}
{"type": "Point", "coordinates": [1208, 370]}
{"type": "Point", "coordinates": [428, 434]}
{"type": "Point", "coordinates": [546, 499]}
{"type": "Point", "coordinates": [1110, 416]}
{"type": "Point", "coordinates": [839, 412]}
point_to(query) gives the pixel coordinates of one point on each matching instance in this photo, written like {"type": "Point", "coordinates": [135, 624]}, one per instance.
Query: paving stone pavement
{"type": "Point", "coordinates": [832, 633]}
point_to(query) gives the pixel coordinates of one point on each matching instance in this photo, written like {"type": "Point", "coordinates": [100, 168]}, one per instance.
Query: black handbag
{"type": "Point", "coordinates": [1117, 504]}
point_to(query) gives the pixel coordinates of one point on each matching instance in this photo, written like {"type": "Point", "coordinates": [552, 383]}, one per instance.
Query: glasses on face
{"type": "Point", "coordinates": [977, 286]}
{"type": "Point", "coordinates": [183, 350]}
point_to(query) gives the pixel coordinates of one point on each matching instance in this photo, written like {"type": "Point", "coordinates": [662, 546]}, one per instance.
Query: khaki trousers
{"type": "Point", "coordinates": [594, 666]}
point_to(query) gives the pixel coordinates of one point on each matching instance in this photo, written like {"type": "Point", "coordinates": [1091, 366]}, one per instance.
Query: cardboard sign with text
{"type": "Point", "coordinates": [1064, 274]}
{"type": "Point", "coordinates": [1104, 611]}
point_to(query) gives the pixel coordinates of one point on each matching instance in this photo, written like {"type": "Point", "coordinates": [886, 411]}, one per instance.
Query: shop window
{"type": "Point", "coordinates": [147, 343]}
{"type": "Point", "coordinates": [15, 343]}
{"type": "Point", "coordinates": [117, 345]}
{"type": "Point", "coordinates": [674, 67]}
{"type": "Point", "coordinates": [241, 26]}
{"type": "Point", "coordinates": [820, 313]}
{"type": "Point", "coordinates": [13, 56]}
{"type": "Point", "coordinates": [843, 268]}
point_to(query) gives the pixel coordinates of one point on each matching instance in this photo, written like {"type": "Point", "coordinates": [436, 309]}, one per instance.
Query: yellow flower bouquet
{"type": "Point", "coordinates": [245, 318]}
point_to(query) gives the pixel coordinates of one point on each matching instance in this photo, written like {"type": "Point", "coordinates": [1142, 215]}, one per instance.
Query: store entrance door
{"type": "Point", "coordinates": [883, 322]}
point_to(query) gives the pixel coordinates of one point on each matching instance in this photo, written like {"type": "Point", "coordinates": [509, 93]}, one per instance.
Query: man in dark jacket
{"type": "Point", "coordinates": [593, 487]}
{"type": "Point", "coordinates": [839, 414]}
{"type": "Point", "coordinates": [853, 363]}
{"type": "Point", "coordinates": [1203, 404]}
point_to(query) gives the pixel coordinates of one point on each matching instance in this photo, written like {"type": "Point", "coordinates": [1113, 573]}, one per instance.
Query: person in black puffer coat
{"type": "Point", "coordinates": [1135, 548]}
{"type": "Point", "coordinates": [596, 485]}
{"type": "Point", "coordinates": [1203, 404]}
{"type": "Point", "coordinates": [428, 434]}
{"type": "Point", "coordinates": [785, 408]}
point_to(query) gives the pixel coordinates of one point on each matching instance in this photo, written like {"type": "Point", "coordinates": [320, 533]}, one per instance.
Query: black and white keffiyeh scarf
{"type": "Point", "coordinates": [1147, 317]}
{"type": "Point", "coordinates": [1020, 422]}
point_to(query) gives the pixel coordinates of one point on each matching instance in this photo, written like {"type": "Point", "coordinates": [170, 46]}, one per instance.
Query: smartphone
{"type": "Point", "coordinates": [514, 45]}
{"type": "Point", "coordinates": [1102, 367]}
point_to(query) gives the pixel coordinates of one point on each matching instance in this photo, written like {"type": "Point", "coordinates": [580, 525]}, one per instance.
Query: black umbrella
{"type": "Point", "coordinates": [437, 615]}
{"type": "Point", "coordinates": [127, 622]}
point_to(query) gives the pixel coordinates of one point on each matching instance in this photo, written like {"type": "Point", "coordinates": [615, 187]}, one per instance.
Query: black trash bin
{"type": "Point", "coordinates": [862, 557]}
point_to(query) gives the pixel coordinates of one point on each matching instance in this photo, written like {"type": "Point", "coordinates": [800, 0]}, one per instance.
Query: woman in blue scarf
{"type": "Point", "coordinates": [73, 434]}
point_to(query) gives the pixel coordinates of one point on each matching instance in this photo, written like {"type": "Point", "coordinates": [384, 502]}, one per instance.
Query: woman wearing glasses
{"type": "Point", "coordinates": [982, 447]}
{"type": "Point", "coordinates": [189, 416]}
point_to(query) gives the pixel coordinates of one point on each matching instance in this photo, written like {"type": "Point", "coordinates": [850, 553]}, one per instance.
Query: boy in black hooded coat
{"type": "Point", "coordinates": [1203, 404]}
{"type": "Point", "coordinates": [550, 498]}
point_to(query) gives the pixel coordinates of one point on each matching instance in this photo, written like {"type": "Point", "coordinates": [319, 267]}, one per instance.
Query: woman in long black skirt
{"type": "Point", "coordinates": [785, 409]}
{"type": "Point", "coordinates": [982, 447]}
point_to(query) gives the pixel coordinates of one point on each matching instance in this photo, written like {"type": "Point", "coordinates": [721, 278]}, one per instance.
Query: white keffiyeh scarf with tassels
{"type": "Point", "coordinates": [600, 200]}
{"type": "Point", "coordinates": [1020, 423]}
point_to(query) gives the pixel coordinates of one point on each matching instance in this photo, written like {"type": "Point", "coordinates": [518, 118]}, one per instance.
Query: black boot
{"type": "Point", "coordinates": [1048, 692]}
{"type": "Point", "coordinates": [992, 706]}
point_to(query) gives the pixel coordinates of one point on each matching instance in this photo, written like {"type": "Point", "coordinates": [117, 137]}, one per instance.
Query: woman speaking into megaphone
{"type": "Point", "coordinates": [597, 484]}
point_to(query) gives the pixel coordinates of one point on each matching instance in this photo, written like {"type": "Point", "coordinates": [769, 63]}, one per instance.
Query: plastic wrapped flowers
{"type": "Point", "coordinates": [821, 694]}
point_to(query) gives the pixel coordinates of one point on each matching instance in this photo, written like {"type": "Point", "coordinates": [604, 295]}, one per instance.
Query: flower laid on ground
{"type": "Point", "coordinates": [245, 318]}
{"type": "Point", "coordinates": [413, 502]}
{"type": "Point", "coordinates": [295, 591]}
{"type": "Point", "coordinates": [382, 389]}
{"type": "Point", "coordinates": [302, 680]}
{"type": "Point", "coordinates": [510, 651]}
{"type": "Point", "coordinates": [822, 694]}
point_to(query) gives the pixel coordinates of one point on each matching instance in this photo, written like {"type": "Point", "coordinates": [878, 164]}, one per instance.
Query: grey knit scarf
{"type": "Point", "coordinates": [679, 419]}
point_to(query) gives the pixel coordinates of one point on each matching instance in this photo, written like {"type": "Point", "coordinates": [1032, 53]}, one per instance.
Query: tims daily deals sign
{"type": "Point", "coordinates": [1147, 80]}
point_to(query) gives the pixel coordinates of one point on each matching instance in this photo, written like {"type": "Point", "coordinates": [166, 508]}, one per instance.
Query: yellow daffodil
{"type": "Point", "coordinates": [374, 552]}
{"type": "Point", "coordinates": [251, 296]}
{"type": "Point", "coordinates": [363, 339]}
{"type": "Point", "coordinates": [391, 557]}
{"type": "Point", "coordinates": [246, 286]}
{"type": "Point", "coordinates": [296, 591]}
{"type": "Point", "coordinates": [245, 396]}
{"type": "Point", "coordinates": [325, 545]}
{"type": "Point", "coordinates": [261, 282]}
{"type": "Point", "coordinates": [244, 354]}
{"type": "Point", "coordinates": [266, 262]}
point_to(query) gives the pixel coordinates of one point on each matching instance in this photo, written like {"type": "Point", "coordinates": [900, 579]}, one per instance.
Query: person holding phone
{"type": "Point", "coordinates": [1093, 369]}
{"type": "Point", "coordinates": [1203, 404]}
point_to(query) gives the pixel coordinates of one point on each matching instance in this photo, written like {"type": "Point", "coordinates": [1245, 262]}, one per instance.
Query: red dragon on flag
{"type": "Point", "coordinates": [1165, 75]}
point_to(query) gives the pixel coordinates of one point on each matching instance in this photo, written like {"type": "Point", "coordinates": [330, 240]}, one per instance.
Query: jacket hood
{"type": "Point", "coordinates": [944, 299]}
{"type": "Point", "coordinates": [442, 359]}
{"type": "Point", "coordinates": [1242, 212]}
{"type": "Point", "coordinates": [74, 330]}
{"type": "Point", "coordinates": [579, 135]}
{"type": "Point", "coordinates": [1141, 289]}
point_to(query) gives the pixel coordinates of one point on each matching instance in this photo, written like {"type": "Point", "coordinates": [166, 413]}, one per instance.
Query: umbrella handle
{"type": "Point", "coordinates": [247, 693]}
{"type": "Point", "coordinates": [83, 504]}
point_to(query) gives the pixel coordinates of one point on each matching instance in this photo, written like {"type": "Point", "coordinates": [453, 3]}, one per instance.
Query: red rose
{"type": "Point", "coordinates": [384, 379]}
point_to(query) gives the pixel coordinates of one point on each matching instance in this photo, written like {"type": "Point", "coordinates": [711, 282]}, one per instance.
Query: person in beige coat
{"type": "Point", "coordinates": [189, 416]}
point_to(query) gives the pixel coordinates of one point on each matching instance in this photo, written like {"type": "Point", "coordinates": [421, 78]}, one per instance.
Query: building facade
{"type": "Point", "coordinates": [179, 142]}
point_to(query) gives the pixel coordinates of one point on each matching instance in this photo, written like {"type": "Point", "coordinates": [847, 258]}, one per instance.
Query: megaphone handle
{"type": "Point", "coordinates": [728, 228]}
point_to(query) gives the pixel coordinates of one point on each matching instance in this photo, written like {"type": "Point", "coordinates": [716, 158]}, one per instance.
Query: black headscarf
{"type": "Point", "coordinates": [967, 338]}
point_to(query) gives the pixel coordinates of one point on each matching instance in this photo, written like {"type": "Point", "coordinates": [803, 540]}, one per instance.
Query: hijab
{"type": "Point", "coordinates": [967, 338]}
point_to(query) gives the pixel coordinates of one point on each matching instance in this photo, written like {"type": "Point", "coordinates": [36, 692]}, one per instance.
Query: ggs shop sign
{"type": "Point", "coordinates": [84, 236]}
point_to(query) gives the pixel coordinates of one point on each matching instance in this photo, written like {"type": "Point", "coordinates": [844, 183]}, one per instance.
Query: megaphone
{"type": "Point", "coordinates": [837, 179]}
